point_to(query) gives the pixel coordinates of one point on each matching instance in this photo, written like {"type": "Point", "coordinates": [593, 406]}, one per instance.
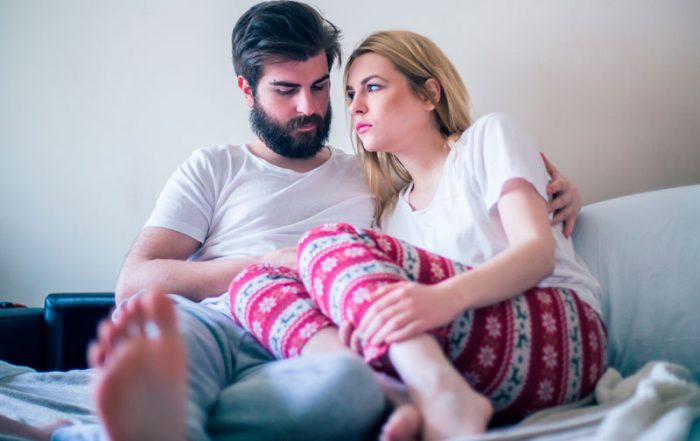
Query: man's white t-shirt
{"type": "Point", "coordinates": [462, 221]}
{"type": "Point", "coordinates": [237, 204]}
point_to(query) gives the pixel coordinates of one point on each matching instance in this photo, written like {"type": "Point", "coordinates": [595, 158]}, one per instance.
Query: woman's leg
{"type": "Point", "coordinates": [341, 265]}
{"type": "Point", "coordinates": [272, 304]}
{"type": "Point", "coordinates": [497, 348]}
{"type": "Point", "coordinates": [537, 350]}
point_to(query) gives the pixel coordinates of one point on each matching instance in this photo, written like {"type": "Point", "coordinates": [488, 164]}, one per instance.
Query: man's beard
{"type": "Point", "coordinates": [282, 139]}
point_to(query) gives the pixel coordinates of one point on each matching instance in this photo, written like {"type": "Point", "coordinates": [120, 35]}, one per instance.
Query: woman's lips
{"type": "Point", "coordinates": [362, 127]}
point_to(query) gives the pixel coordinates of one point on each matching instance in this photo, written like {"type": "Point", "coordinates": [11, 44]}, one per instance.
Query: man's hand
{"type": "Point", "coordinates": [565, 200]}
{"type": "Point", "coordinates": [286, 257]}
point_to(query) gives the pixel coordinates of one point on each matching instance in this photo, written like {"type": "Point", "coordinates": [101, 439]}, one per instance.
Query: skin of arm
{"type": "Point", "coordinates": [158, 260]}
{"type": "Point", "coordinates": [406, 309]}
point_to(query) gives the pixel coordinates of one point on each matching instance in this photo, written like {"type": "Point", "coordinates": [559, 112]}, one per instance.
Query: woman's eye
{"type": "Point", "coordinates": [350, 95]}
{"type": "Point", "coordinates": [373, 87]}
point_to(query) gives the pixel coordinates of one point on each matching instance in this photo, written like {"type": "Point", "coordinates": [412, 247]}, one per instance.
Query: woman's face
{"type": "Point", "coordinates": [386, 114]}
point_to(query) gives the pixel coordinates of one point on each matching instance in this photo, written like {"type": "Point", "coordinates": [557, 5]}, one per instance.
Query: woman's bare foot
{"type": "Point", "coordinates": [448, 405]}
{"type": "Point", "coordinates": [404, 424]}
{"type": "Point", "coordinates": [454, 409]}
{"type": "Point", "coordinates": [140, 391]}
{"type": "Point", "coordinates": [19, 430]}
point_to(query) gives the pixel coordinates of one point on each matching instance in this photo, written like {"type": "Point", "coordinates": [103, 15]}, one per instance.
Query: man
{"type": "Point", "coordinates": [227, 207]}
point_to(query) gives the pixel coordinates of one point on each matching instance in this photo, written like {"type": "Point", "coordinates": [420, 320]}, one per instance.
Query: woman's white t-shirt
{"type": "Point", "coordinates": [462, 222]}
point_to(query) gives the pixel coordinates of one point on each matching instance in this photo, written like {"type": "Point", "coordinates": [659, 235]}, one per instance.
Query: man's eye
{"type": "Point", "coordinates": [285, 91]}
{"type": "Point", "coordinates": [321, 86]}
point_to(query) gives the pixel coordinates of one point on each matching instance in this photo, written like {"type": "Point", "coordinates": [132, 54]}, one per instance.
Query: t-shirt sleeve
{"type": "Point", "coordinates": [187, 201]}
{"type": "Point", "coordinates": [503, 151]}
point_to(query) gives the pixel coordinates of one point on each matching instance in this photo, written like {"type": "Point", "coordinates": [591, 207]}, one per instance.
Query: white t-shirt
{"type": "Point", "coordinates": [462, 221]}
{"type": "Point", "coordinates": [237, 204]}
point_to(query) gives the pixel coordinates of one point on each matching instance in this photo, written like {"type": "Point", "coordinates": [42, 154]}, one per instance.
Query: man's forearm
{"type": "Point", "coordinates": [194, 280]}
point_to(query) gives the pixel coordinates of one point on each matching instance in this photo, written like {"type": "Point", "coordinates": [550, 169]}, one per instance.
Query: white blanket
{"type": "Point", "coordinates": [658, 403]}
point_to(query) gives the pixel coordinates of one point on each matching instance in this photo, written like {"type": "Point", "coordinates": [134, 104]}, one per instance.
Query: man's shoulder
{"type": "Point", "coordinates": [217, 156]}
{"type": "Point", "coordinates": [221, 150]}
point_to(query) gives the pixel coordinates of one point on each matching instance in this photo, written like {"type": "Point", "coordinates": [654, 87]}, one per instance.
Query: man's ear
{"type": "Point", "coordinates": [433, 93]}
{"type": "Point", "coordinates": [244, 85]}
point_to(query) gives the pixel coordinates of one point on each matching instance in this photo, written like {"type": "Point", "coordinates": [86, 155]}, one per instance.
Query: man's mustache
{"type": "Point", "coordinates": [314, 119]}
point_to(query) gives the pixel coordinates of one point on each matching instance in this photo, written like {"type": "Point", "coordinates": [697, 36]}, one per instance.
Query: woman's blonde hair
{"type": "Point", "coordinates": [418, 59]}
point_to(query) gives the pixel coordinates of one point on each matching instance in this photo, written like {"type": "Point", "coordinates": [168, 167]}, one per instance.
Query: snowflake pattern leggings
{"type": "Point", "coordinates": [539, 349]}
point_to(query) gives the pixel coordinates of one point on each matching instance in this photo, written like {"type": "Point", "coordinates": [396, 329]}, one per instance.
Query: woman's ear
{"type": "Point", "coordinates": [248, 95]}
{"type": "Point", "coordinates": [432, 92]}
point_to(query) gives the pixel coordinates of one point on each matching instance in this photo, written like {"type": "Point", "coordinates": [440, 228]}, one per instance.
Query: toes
{"type": "Point", "coordinates": [161, 315]}
{"type": "Point", "coordinates": [95, 355]}
{"type": "Point", "coordinates": [107, 335]}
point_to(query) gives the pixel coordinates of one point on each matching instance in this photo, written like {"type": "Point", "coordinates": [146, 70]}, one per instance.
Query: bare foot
{"type": "Point", "coordinates": [448, 405]}
{"type": "Point", "coordinates": [454, 409]}
{"type": "Point", "coordinates": [19, 430]}
{"type": "Point", "coordinates": [140, 391]}
{"type": "Point", "coordinates": [404, 424]}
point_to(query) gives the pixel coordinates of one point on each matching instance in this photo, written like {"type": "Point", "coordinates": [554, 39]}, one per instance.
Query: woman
{"type": "Point", "coordinates": [488, 315]}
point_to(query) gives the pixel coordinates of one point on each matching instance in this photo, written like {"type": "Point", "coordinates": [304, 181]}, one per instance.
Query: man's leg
{"type": "Point", "coordinates": [318, 397]}
{"type": "Point", "coordinates": [221, 353]}
{"type": "Point", "coordinates": [211, 341]}
{"type": "Point", "coordinates": [141, 382]}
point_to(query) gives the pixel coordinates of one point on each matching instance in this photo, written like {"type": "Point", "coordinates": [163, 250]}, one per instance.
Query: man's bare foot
{"type": "Point", "coordinates": [405, 422]}
{"type": "Point", "coordinates": [140, 391]}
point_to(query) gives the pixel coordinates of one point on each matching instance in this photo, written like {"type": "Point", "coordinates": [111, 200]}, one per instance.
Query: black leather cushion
{"type": "Point", "coordinates": [22, 337]}
{"type": "Point", "coordinates": [71, 323]}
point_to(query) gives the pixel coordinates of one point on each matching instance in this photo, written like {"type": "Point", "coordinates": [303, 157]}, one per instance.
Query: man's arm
{"type": "Point", "coordinates": [158, 260]}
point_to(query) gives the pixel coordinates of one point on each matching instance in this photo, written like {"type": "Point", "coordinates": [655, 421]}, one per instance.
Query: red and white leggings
{"type": "Point", "coordinates": [539, 349]}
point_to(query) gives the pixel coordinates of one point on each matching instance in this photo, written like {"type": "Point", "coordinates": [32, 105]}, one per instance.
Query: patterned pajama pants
{"type": "Point", "coordinates": [539, 349]}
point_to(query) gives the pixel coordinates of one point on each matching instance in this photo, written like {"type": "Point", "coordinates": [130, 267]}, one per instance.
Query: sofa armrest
{"type": "Point", "coordinates": [645, 251]}
{"type": "Point", "coordinates": [71, 323]}
{"type": "Point", "coordinates": [23, 337]}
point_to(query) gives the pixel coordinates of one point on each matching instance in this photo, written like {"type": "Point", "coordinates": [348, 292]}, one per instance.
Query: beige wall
{"type": "Point", "coordinates": [101, 100]}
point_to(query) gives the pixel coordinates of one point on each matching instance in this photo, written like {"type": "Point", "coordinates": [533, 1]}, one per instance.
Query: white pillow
{"type": "Point", "coordinates": [645, 251]}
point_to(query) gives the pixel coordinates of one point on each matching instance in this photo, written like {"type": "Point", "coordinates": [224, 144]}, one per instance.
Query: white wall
{"type": "Point", "coordinates": [100, 101]}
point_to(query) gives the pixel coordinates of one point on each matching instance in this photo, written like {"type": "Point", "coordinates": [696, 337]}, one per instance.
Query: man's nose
{"type": "Point", "coordinates": [305, 103]}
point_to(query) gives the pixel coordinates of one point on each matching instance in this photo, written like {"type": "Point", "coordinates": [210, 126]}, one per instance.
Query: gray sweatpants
{"type": "Point", "coordinates": [236, 390]}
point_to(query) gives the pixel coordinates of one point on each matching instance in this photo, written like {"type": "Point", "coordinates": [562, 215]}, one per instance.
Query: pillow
{"type": "Point", "coordinates": [645, 251]}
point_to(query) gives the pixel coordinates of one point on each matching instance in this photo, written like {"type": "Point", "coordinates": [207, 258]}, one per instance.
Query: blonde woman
{"type": "Point", "coordinates": [469, 295]}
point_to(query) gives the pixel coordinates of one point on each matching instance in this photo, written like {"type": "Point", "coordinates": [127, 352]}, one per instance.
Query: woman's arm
{"type": "Point", "coordinates": [406, 309]}
{"type": "Point", "coordinates": [527, 261]}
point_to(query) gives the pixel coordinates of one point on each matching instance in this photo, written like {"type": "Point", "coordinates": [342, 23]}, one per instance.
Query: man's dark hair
{"type": "Point", "coordinates": [276, 31]}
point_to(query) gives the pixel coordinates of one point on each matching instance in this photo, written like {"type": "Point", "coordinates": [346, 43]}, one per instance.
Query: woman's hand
{"type": "Point", "coordinates": [349, 336]}
{"type": "Point", "coordinates": [404, 310]}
